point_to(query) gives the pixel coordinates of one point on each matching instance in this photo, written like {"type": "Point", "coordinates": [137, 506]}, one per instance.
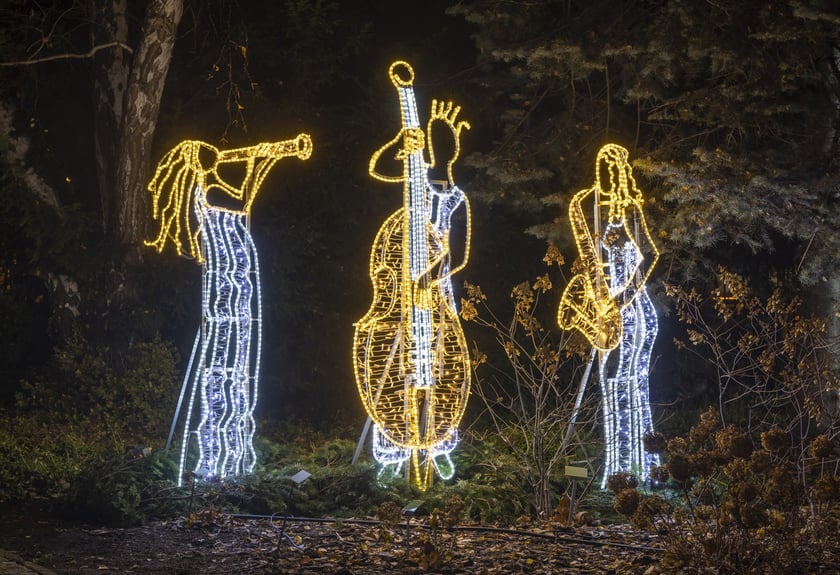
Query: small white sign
{"type": "Point", "coordinates": [576, 472]}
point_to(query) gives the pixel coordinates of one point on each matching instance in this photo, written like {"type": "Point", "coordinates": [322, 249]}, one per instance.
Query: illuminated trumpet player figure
{"type": "Point", "coordinates": [205, 216]}
{"type": "Point", "coordinates": [410, 355]}
{"type": "Point", "coordinates": [608, 303]}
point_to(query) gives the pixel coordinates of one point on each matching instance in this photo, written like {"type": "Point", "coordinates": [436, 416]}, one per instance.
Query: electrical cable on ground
{"type": "Point", "coordinates": [474, 528]}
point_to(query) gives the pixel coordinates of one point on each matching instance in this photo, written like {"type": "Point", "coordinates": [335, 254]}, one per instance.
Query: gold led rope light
{"type": "Point", "coordinates": [410, 356]}
{"type": "Point", "coordinates": [182, 171]}
{"type": "Point", "coordinates": [224, 365]}
{"type": "Point", "coordinates": [590, 303]}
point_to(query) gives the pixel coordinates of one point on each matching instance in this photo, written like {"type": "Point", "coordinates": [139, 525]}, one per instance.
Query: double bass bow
{"type": "Point", "coordinates": [410, 355]}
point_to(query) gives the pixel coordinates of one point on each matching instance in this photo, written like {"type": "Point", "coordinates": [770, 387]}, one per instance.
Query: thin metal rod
{"type": "Point", "coordinates": [183, 389]}
{"type": "Point", "coordinates": [362, 439]}
{"type": "Point", "coordinates": [366, 428]}
{"type": "Point", "coordinates": [578, 401]}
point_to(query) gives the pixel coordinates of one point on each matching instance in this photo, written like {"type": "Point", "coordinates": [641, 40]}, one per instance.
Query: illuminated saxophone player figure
{"type": "Point", "coordinates": [608, 303]}
{"type": "Point", "coordinates": [205, 216]}
{"type": "Point", "coordinates": [410, 355]}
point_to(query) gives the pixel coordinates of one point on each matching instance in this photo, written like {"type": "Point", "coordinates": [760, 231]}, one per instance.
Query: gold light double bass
{"type": "Point", "coordinates": [411, 361]}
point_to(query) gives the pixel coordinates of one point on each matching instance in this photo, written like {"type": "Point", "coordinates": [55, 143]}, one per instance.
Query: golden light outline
{"type": "Point", "coordinates": [590, 302]}
{"type": "Point", "coordinates": [181, 171]}
{"type": "Point", "coordinates": [410, 356]}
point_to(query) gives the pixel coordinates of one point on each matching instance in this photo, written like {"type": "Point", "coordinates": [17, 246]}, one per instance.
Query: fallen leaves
{"type": "Point", "coordinates": [221, 544]}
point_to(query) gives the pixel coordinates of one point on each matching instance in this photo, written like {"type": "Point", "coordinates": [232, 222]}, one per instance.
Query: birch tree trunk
{"type": "Point", "coordinates": [137, 113]}
{"type": "Point", "coordinates": [128, 87]}
{"type": "Point", "coordinates": [110, 80]}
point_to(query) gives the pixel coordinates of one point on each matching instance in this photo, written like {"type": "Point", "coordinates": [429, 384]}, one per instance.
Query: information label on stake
{"type": "Point", "coordinates": [573, 472]}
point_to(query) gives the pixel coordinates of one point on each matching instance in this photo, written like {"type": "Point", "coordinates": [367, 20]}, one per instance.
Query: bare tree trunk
{"type": "Point", "coordinates": [110, 80]}
{"type": "Point", "coordinates": [142, 106]}
{"type": "Point", "coordinates": [832, 398]}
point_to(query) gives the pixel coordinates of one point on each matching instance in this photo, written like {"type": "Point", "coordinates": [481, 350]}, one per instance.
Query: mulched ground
{"type": "Point", "coordinates": [216, 544]}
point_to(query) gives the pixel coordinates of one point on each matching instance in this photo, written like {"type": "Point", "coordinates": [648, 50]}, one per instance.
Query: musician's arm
{"type": "Point", "coordinates": [375, 158]}
{"type": "Point", "coordinates": [649, 252]}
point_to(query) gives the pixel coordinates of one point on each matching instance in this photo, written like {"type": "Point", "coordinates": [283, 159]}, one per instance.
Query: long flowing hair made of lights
{"type": "Point", "coordinates": [410, 355]}
{"type": "Point", "coordinates": [205, 217]}
{"type": "Point", "coordinates": [608, 303]}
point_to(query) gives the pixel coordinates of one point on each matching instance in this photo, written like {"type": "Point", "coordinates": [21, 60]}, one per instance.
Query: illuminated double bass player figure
{"type": "Point", "coordinates": [608, 303]}
{"type": "Point", "coordinates": [205, 216]}
{"type": "Point", "coordinates": [410, 356]}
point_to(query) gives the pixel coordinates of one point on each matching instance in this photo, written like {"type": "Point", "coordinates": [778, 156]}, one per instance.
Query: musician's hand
{"type": "Point", "coordinates": [413, 141]}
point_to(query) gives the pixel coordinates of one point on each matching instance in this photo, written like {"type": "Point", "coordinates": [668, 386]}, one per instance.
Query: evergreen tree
{"type": "Point", "coordinates": [730, 110]}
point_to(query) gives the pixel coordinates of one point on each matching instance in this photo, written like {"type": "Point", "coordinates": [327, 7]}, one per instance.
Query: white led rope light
{"type": "Point", "coordinates": [410, 356]}
{"type": "Point", "coordinates": [224, 367]}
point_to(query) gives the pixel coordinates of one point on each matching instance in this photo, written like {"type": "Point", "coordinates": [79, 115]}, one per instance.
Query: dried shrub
{"type": "Point", "coordinates": [733, 443]}
{"type": "Point", "coordinates": [563, 510]}
{"type": "Point", "coordinates": [677, 446]}
{"type": "Point", "coordinates": [781, 486]}
{"type": "Point", "coordinates": [389, 513]}
{"type": "Point", "coordinates": [655, 442]}
{"type": "Point", "coordinates": [454, 513]}
{"type": "Point", "coordinates": [703, 463]}
{"type": "Point", "coordinates": [527, 376]}
{"type": "Point", "coordinates": [659, 474]}
{"type": "Point", "coordinates": [775, 440]}
{"type": "Point", "coordinates": [760, 462]}
{"type": "Point", "coordinates": [820, 447]}
{"type": "Point", "coordinates": [742, 507]}
{"type": "Point", "coordinates": [627, 501]}
{"type": "Point", "coordinates": [649, 509]}
{"type": "Point", "coordinates": [680, 468]}
{"type": "Point", "coordinates": [709, 423]}
{"type": "Point", "coordinates": [827, 488]}
{"type": "Point", "coordinates": [618, 482]}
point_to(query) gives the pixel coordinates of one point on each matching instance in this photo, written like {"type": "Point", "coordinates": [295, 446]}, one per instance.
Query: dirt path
{"type": "Point", "coordinates": [223, 545]}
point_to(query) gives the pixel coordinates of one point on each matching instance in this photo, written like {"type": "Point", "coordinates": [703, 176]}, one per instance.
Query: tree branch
{"type": "Point", "coordinates": [88, 54]}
